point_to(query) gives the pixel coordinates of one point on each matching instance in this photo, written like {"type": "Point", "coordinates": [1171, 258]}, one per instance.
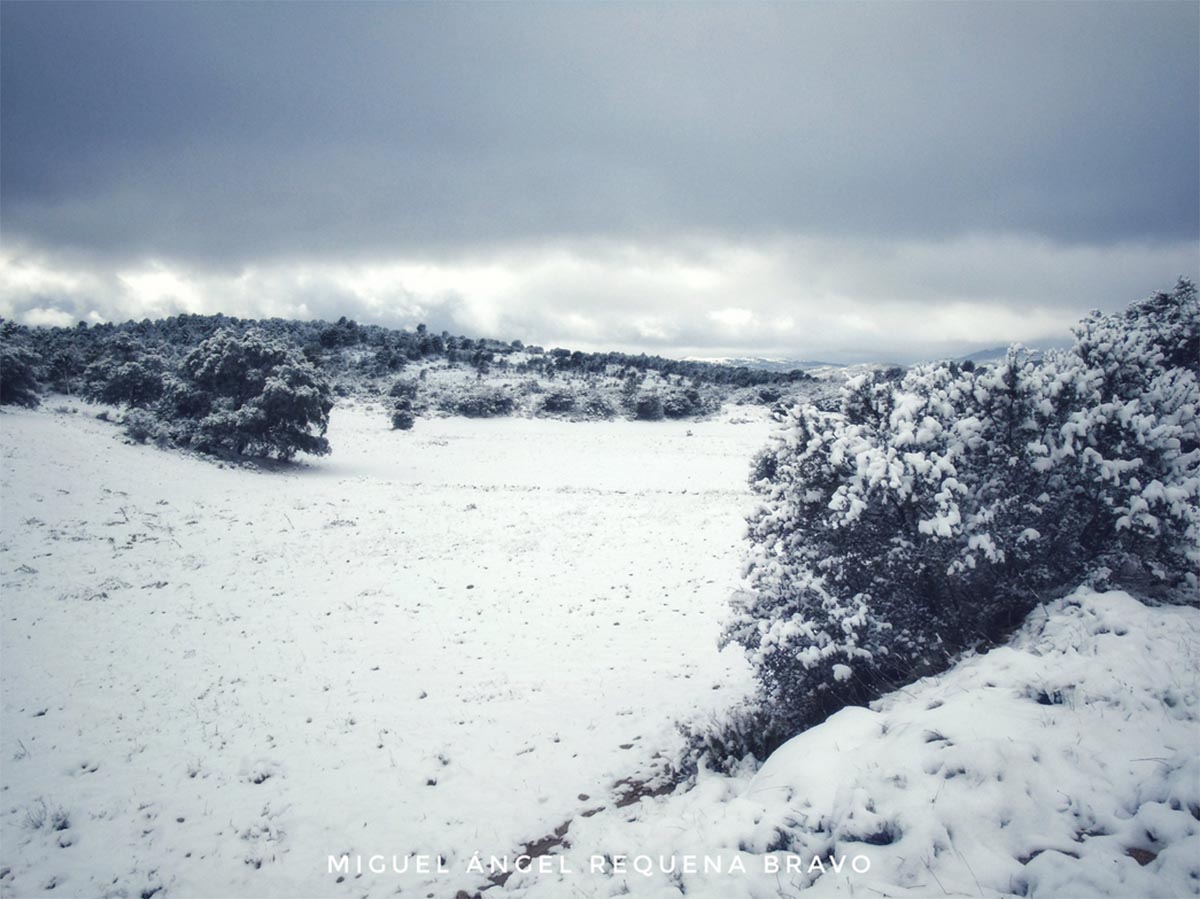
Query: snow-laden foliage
{"type": "Point", "coordinates": [928, 515]}
{"type": "Point", "coordinates": [18, 367]}
{"type": "Point", "coordinates": [248, 395]}
{"type": "Point", "coordinates": [359, 360]}
{"type": "Point", "coordinates": [484, 401]}
{"type": "Point", "coordinates": [127, 373]}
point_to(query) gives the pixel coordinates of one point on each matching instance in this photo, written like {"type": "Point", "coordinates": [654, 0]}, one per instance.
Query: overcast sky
{"type": "Point", "coordinates": [849, 181]}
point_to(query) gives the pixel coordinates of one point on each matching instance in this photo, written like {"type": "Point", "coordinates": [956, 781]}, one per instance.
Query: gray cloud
{"type": "Point", "coordinates": [1044, 147]}
{"type": "Point", "coordinates": [234, 131]}
{"type": "Point", "coordinates": [835, 299]}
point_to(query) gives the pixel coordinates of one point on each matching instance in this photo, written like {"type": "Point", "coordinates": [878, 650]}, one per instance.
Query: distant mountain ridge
{"type": "Point", "coordinates": [764, 364]}
{"type": "Point", "coordinates": [997, 353]}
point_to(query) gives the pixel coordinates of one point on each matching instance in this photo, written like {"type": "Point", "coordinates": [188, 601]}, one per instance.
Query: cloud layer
{"type": "Point", "coordinates": [833, 299]}
{"type": "Point", "coordinates": [794, 178]}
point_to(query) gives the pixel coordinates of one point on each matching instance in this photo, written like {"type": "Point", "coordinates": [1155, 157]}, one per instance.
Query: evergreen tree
{"type": "Point", "coordinates": [927, 515]}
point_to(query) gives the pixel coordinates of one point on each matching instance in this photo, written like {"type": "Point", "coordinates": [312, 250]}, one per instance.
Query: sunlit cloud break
{"type": "Point", "coordinates": [837, 300]}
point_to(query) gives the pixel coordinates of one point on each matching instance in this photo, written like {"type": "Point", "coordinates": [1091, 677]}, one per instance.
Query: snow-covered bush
{"type": "Point", "coordinates": [929, 515]}
{"type": "Point", "coordinates": [18, 368]}
{"type": "Point", "coordinates": [403, 388]}
{"type": "Point", "coordinates": [249, 395]}
{"type": "Point", "coordinates": [403, 394]}
{"type": "Point", "coordinates": [557, 401]}
{"type": "Point", "coordinates": [127, 373]}
{"type": "Point", "coordinates": [141, 425]}
{"type": "Point", "coordinates": [402, 418]}
{"type": "Point", "coordinates": [648, 407]}
{"type": "Point", "coordinates": [480, 402]}
{"type": "Point", "coordinates": [596, 406]}
{"type": "Point", "coordinates": [683, 403]}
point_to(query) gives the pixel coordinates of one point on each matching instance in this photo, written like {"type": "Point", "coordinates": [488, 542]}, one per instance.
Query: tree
{"type": "Point", "coordinates": [558, 401]}
{"type": "Point", "coordinates": [18, 367]}
{"type": "Point", "coordinates": [403, 394]}
{"type": "Point", "coordinates": [649, 407]}
{"type": "Point", "coordinates": [126, 373]}
{"type": "Point", "coordinates": [928, 514]}
{"type": "Point", "coordinates": [248, 395]}
{"type": "Point", "coordinates": [402, 416]}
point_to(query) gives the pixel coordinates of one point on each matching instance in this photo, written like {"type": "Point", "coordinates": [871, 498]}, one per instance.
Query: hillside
{"type": "Point", "coordinates": [441, 373]}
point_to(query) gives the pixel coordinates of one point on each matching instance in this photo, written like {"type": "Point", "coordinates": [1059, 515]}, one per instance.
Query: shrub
{"type": "Point", "coordinates": [929, 514]}
{"type": "Point", "coordinates": [684, 404]}
{"type": "Point", "coordinates": [649, 407]}
{"type": "Point", "coordinates": [483, 402]}
{"type": "Point", "coordinates": [597, 406]}
{"type": "Point", "coordinates": [248, 395]}
{"type": "Point", "coordinates": [403, 394]}
{"type": "Point", "coordinates": [18, 368]}
{"type": "Point", "coordinates": [141, 425]}
{"type": "Point", "coordinates": [558, 401]}
{"type": "Point", "coordinates": [403, 388]}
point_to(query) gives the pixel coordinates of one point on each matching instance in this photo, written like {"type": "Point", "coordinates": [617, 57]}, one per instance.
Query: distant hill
{"type": "Point", "coordinates": [994, 354]}
{"type": "Point", "coordinates": [997, 353]}
{"type": "Point", "coordinates": [763, 364]}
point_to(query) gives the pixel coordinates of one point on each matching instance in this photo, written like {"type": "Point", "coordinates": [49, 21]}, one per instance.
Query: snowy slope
{"type": "Point", "coordinates": [1065, 764]}
{"type": "Point", "coordinates": [437, 641]}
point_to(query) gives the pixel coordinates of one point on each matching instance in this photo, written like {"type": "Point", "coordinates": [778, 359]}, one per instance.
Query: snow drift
{"type": "Point", "coordinates": [1062, 764]}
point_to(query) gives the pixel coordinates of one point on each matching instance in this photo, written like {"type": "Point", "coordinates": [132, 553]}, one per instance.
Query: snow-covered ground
{"type": "Point", "coordinates": [458, 639]}
{"type": "Point", "coordinates": [1066, 764]}
{"type": "Point", "coordinates": [433, 642]}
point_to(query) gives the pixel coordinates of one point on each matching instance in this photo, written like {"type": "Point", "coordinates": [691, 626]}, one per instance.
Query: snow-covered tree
{"type": "Point", "coordinates": [558, 401]}
{"type": "Point", "coordinates": [928, 515]}
{"type": "Point", "coordinates": [648, 407]}
{"type": "Point", "coordinates": [18, 367]}
{"type": "Point", "coordinates": [127, 373]}
{"type": "Point", "coordinates": [249, 395]}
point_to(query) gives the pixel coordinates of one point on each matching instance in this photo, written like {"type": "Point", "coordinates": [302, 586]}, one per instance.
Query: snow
{"type": "Point", "coordinates": [1054, 767]}
{"type": "Point", "coordinates": [441, 641]}
{"type": "Point", "coordinates": [459, 639]}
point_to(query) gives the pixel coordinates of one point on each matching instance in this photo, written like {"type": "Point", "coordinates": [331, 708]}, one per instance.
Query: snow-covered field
{"type": "Point", "coordinates": [440, 641]}
{"type": "Point", "coordinates": [458, 639]}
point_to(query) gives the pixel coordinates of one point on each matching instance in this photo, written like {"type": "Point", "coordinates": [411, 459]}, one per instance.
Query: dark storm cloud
{"type": "Point", "coordinates": [224, 134]}
{"type": "Point", "coordinates": [841, 181]}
